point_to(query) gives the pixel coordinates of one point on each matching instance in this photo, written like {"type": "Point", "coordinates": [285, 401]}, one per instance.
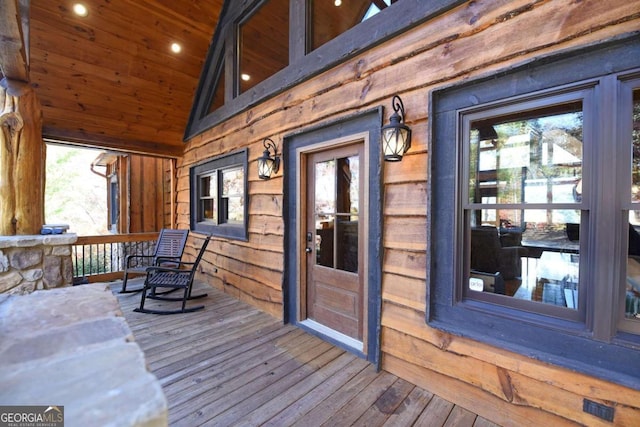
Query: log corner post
{"type": "Point", "coordinates": [22, 160]}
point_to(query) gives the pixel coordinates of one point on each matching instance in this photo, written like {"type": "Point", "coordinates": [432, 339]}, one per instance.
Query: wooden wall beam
{"type": "Point", "coordinates": [149, 148]}
{"type": "Point", "coordinates": [13, 49]}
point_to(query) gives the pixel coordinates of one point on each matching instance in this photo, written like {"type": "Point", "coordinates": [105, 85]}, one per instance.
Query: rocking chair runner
{"type": "Point", "coordinates": [172, 279]}
{"type": "Point", "coordinates": [168, 252]}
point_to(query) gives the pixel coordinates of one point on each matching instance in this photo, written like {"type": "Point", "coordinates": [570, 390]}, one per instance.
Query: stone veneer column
{"type": "Point", "coordinates": [29, 263]}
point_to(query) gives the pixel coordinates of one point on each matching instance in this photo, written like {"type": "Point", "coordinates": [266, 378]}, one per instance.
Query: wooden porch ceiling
{"type": "Point", "coordinates": [109, 79]}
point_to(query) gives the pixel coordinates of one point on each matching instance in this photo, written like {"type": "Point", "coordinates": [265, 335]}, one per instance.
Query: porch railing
{"type": "Point", "coordinates": [103, 258]}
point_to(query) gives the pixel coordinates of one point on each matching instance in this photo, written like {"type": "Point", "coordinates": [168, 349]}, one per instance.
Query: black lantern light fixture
{"type": "Point", "coordinates": [267, 164]}
{"type": "Point", "coordinates": [396, 136]}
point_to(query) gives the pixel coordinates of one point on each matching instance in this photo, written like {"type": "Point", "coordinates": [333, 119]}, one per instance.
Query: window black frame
{"type": "Point", "coordinates": [592, 347]}
{"type": "Point", "coordinates": [216, 165]}
{"type": "Point", "coordinates": [303, 65]}
{"type": "Point", "coordinates": [569, 95]}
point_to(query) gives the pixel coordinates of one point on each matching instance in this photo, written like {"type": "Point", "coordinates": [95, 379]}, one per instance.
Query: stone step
{"type": "Point", "coordinates": [71, 347]}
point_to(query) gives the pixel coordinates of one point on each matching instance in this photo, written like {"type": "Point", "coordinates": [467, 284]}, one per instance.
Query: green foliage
{"type": "Point", "coordinates": [73, 194]}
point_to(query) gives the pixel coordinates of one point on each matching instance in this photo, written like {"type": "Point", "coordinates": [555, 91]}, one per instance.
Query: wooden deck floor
{"type": "Point", "coordinates": [231, 364]}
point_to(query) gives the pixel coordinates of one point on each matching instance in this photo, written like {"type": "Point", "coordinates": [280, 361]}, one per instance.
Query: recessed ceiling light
{"type": "Point", "coordinates": [176, 48]}
{"type": "Point", "coordinates": [245, 77]}
{"type": "Point", "coordinates": [338, 2]}
{"type": "Point", "coordinates": [80, 9]}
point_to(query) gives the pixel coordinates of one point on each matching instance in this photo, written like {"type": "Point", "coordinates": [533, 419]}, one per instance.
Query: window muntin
{"type": "Point", "coordinates": [219, 196]}
{"type": "Point", "coordinates": [523, 210]}
{"type": "Point", "coordinates": [263, 44]}
{"type": "Point", "coordinates": [330, 18]}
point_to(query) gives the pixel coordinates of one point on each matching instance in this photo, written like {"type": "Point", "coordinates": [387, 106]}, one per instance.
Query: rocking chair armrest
{"type": "Point", "coordinates": [186, 263]}
{"type": "Point", "coordinates": [160, 260]}
{"type": "Point", "coordinates": [130, 257]}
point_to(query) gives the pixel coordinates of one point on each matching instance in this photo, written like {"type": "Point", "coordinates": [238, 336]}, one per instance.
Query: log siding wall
{"type": "Point", "coordinates": [477, 38]}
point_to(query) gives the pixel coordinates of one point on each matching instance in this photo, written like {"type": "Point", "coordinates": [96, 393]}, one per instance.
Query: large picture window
{"type": "Point", "coordinates": [218, 196]}
{"type": "Point", "coordinates": [534, 234]}
{"type": "Point", "coordinates": [522, 204]}
{"type": "Point", "coordinates": [629, 311]}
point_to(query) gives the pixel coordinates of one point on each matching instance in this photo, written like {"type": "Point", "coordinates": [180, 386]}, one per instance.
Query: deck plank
{"type": "Point", "coordinates": [408, 412]}
{"type": "Point", "coordinates": [231, 364]}
{"type": "Point", "coordinates": [322, 391]}
{"type": "Point", "coordinates": [378, 413]}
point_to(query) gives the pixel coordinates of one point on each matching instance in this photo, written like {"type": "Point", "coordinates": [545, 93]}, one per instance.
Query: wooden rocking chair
{"type": "Point", "coordinates": [168, 252]}
{"type": "Point", "coordinates": [172, 279]}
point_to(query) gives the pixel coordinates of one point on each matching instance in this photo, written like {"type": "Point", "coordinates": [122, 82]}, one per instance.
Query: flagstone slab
{"type": "Point", "coordinates": [72, 347]}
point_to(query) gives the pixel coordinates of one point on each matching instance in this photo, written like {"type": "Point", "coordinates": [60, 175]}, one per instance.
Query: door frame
{"type": "Point", "coordinates": [363, 126]}
{"type": "Point", "coordinates": [302, 155]}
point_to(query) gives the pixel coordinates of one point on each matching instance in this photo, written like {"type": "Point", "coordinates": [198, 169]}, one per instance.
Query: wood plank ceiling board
{"type": "Point", "coordinates": [110, 80]}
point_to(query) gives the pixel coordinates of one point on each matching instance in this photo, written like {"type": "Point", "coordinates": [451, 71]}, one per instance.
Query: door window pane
{"type": "Point", "coordinates": [325, 193]}
{"type": "Point", "coordinates": [336, 213]}
{"type": "Point", "coordinates": [348, 206]}
{"type": "Point", "coordinates": [263, 44]}
{"type": "Point", "coordinates": [324, 240]}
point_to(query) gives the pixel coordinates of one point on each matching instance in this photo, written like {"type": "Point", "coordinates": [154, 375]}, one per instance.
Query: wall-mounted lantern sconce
{"type": "Point", "coordinates": [268, 165]}
{"type": "Point", "coordinates": [396, 136]}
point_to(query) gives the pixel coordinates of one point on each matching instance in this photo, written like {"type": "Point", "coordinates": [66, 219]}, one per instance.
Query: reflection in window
{"type": "Point", "coordinates": [263, 44]}
{"type": "Point", "coordinates": [336, 213]}
{"type": "Point", "coordinates": [233, 195]}
{"type": "Point", "coordinates": [635, 142]}
{"type": "Point", "coordinates": [217, 99]}
{"type": "Point", "coordinates": [208, 196]}
{"type": "Point", "coordinates": [523, 216]}
{"type": "Point", "coordinates": [632, 285]}
{"type": "Point", "coordinates": [330, 18]}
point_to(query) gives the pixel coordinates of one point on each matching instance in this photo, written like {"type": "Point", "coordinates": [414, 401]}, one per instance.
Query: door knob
{"type": "Point", "coordinates": [308, 250]}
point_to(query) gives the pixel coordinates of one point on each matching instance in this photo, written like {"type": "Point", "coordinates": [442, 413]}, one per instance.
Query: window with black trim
{"type": "Point", "coordinates": [218, 196]}
{"type": "Point", "coordinates": [535, 211]}
{"type": "Point", "coordinates": [263, 47]}
{"type": "Point", "coordinates": [522, 206]}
